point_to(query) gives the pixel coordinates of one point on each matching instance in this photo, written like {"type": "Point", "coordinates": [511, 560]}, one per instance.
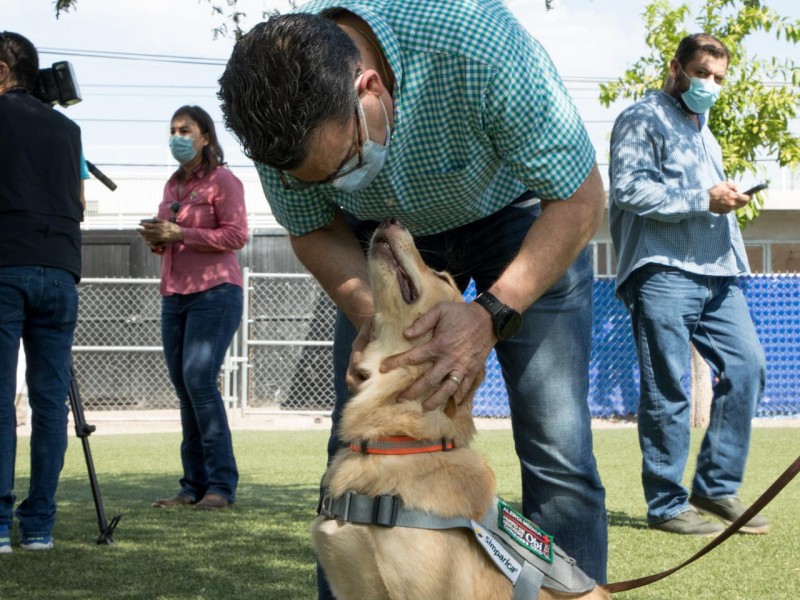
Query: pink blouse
{"type": "Point", "coordinates": [213, 217]}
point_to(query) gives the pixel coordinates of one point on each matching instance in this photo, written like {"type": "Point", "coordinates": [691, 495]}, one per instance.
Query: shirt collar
{"type": "Point", "coordinates": [678, 105]}
{"type": "Point", "coordinates": [197, 173]}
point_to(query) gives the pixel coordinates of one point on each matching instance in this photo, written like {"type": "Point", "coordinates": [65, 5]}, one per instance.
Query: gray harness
{"type": "Point", "coordinates": [509, 550]}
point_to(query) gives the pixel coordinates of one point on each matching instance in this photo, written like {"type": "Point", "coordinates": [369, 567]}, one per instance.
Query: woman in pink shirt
{"type": "Point", "coordinates": [201, 223]}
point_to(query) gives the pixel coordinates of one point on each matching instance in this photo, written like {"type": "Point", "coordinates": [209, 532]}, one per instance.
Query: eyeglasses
{"type": "Point", "coordinates": [296, 184]}
{"type": "Point", "coordinates": [174, 207]}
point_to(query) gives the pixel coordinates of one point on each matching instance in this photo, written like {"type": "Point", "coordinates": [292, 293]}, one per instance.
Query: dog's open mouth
{"type": "Point", "coordinates": [381, 244]}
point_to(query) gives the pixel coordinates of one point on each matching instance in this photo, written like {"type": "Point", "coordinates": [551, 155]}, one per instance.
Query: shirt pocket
{"type": "Point", "coordinates": [200, 212]}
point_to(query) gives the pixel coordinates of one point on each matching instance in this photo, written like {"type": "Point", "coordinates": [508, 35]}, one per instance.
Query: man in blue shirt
{"type": "Point", "coordinates": [679, 249]}
{"type": "Point", "coordinates": [451, 118]}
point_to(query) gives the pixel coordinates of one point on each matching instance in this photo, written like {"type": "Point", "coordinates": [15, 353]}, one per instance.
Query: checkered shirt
{"type": "Point", "coordinates": [660, 172]}
{"type": "Point", "coordinates": [481, 115]}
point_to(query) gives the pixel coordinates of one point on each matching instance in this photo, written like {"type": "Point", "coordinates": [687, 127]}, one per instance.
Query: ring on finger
{"type": "Point", "coordinates": [454, 378]}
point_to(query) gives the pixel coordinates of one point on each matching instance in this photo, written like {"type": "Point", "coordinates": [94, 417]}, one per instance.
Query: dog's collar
{"type": "Point", "coordinates": [401, 444]}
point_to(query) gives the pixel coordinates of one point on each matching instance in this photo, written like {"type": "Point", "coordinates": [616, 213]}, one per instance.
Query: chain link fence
{"type": "Point", "coordinates": [282, 358]}
{"type": "Point", "coordinates": [287, 340]}
{"type": "Point", "coordinates": [117, 351]}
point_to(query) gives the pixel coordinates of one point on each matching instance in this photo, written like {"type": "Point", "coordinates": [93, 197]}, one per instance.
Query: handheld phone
{"type": "Point", "coordinates": [755, 189]}
{"type": "Point", "coordinates": [147, 221]}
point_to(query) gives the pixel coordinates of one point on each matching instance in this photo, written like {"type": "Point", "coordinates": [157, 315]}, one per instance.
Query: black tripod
{"type": "Point", "coordinates": [83, 430]}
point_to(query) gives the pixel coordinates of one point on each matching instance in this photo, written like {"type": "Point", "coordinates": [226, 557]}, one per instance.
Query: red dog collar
{"type": "Point", "coordinates": [401, 444]}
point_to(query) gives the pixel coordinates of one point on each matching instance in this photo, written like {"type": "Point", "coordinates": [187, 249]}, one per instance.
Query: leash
{"type": "Point", "coordinates": [765, 498]}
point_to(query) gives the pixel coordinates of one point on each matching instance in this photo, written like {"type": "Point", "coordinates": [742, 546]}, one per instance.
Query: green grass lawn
{"type": "Point", "coordinates": [260, 548]}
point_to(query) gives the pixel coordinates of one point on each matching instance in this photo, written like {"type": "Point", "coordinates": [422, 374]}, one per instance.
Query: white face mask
{"type": "Point", "coordinates": [373, 157]}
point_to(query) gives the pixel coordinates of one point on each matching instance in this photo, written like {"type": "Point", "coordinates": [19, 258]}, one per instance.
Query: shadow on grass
{"type": "Point", "coordinates": [621, 519]}
{"type": "Point", "coordinates": [258, 548]}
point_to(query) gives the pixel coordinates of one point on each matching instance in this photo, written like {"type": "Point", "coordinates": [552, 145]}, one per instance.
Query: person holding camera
{"type": "Point", "coordinates": [201, 222]}
{"type": "Point", "coordinates": [41, 208]}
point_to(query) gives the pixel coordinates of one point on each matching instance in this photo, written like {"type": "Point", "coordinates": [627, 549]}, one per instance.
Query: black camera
{"type": "Point", "coordinates": [58, 85]}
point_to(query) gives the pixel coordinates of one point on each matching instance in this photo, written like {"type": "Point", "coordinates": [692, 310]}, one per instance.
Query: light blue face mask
{"type": "Point", "coordinates": [701, 95]}
{"type": "Point", "coordinates": [182, 148]}
{"type": "Point", "coordinates": [373, 157]}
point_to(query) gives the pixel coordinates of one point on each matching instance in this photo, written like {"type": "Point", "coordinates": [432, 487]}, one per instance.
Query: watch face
{"type": "Point", "coordinates": [508, 324]}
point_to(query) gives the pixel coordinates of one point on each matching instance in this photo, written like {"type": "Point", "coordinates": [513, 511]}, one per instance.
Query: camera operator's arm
{"type": "Point", "coordinates": [84, 177]}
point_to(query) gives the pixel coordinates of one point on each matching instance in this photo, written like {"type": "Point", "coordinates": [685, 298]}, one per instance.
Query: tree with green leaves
{"type": "Point", "coordinates": [760, 96]}
{"type": "Point", "coordinates": [228, 10]}
{"type": "Point", "coordinates": [233, 18]}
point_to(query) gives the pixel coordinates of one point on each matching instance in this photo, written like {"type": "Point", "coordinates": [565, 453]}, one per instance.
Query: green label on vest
{"type": "Point", "coordinates": [524, 532]}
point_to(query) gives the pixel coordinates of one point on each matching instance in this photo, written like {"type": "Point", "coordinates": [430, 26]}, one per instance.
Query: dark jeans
{"type": "Point", "coordinates": [196, 330]}
{"type": "Point", "coordinates": [38, 305]}
{"type": "Point", "coordinates": [671, 310]}
{"type": "Point", "coordinates": [546, 372]}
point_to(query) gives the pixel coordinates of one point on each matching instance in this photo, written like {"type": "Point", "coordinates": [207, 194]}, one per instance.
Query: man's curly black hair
{"type": "Point", "coordinates": [285, 78]}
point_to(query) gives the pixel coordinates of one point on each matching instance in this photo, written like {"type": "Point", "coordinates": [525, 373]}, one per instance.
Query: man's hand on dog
{"type": "Point", "coordinates": [462, 340]}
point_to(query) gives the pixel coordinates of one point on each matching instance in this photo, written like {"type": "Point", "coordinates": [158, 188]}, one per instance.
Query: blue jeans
{"type": "Point", "coordinates": [546, 372]}
{"type": "Point", "coordinates": [196, 330]}
{"type": "Point", "coordinates": [38, 305]}
{"type": "Point", "coordinates": [669, 309]}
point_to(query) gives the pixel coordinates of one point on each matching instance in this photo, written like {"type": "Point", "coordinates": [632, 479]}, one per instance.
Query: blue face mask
{"type": "Point", "coordinates": [701, 95]}
{"type": "Point", "coordinates": [373, 156]}
{"type": "Point", "coordinates": [182, 148]}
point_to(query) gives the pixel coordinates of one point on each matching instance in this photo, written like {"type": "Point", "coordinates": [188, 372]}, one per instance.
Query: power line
{"type": "Point", "coordinates": [148, 86]}
{"type": "Point", "coordinates": [160, 165]}
{"type": "Point", "coordinates": [177, 59]}
{"type": "Point", "coordinates": [103, 120]}
{"type": "Point", "coordinates": [136, 56]}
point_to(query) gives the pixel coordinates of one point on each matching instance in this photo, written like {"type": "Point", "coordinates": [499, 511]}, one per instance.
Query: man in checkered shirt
{"type": "Point", "coordinates": [679, 250]}
{"type": "Point", "coordinates": [451, 118]}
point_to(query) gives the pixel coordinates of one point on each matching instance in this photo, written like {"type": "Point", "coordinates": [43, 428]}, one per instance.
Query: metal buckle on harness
{"type": "Point", "coordinates": [335, 508]}
{"type": "Point", "coordinates": [325, 506]}
{"type": "Point", "coordinates": [384, 511]}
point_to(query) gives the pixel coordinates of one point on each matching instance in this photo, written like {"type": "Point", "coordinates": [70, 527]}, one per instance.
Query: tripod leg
{"type": "Point", "coordinates": [83, 430]}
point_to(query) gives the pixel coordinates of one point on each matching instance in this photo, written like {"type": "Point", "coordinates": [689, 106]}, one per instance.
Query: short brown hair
{"type": "Point", "coordinates": [696, 43]}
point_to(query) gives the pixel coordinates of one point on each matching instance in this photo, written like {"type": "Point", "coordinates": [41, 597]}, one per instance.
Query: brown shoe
{"type": "Point", "coordinates": [212, 502]}
{"type": "Point", "coordinates": [174, 501]}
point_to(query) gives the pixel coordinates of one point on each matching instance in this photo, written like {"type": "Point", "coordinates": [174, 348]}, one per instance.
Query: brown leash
{"type": "Point", "coordinates": [764, 499]}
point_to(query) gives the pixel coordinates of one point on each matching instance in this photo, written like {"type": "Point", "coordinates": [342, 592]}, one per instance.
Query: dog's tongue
{"type": "Point", "coordinates": [407, 289]}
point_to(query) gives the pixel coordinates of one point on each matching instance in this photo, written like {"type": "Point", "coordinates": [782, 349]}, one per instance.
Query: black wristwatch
{"type": "Point", "coordinates": [506, 322]}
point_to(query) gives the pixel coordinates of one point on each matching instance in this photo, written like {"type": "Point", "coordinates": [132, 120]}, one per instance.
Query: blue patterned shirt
{"type": "Point", "coordinates": [481, 116]}
{"type": "Point", "coordinates": [660, 172]}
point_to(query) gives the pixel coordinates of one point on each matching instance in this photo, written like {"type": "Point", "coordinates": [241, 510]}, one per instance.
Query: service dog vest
{"type": "Point", "coordinates": [525, 554]}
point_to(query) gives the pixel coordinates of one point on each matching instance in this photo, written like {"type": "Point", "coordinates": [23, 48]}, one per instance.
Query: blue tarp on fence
{"type": "Point", "coordinates": [614, 373]}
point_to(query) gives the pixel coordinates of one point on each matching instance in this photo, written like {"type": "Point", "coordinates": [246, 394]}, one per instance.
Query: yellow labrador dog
{"type": "Point", "coordinates": [420, 458]}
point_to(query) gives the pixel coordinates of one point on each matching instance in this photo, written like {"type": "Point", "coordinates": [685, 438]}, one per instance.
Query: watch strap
{"type": "Point", "coordinates": [490, 303]}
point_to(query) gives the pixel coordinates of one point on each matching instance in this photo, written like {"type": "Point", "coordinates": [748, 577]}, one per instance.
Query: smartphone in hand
{"type": "Point", "coordinates": [755, 189]}
{"type": "Point", "coordinates": [143, 221]}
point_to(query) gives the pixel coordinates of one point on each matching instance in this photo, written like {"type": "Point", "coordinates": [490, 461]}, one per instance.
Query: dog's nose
{"type": "Point", "coordinates": [392, 222]}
